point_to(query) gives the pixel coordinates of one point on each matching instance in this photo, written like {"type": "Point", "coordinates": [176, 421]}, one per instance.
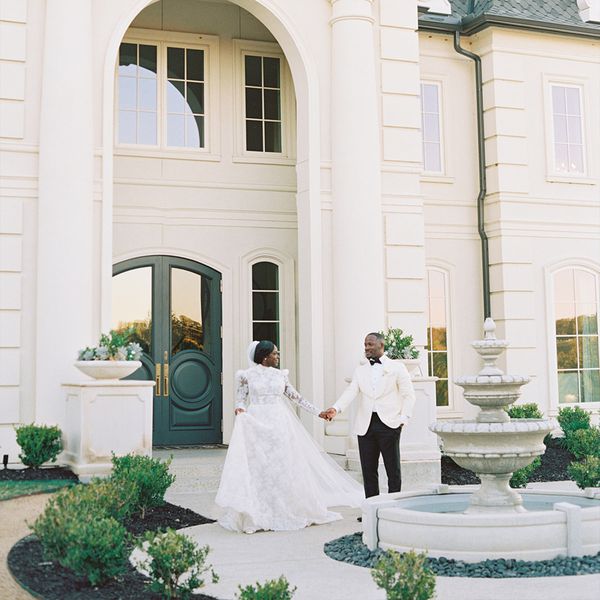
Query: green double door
{"type": "Point", "coordinates": [172, 307]}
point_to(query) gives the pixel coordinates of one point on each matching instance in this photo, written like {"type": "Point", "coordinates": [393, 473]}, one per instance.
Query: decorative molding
{"type": "Point", "coordinates": [589, 10]}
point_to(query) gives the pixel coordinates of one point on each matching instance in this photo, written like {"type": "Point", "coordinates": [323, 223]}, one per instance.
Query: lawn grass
{"type": "Point", "coordinates": [14, 489]}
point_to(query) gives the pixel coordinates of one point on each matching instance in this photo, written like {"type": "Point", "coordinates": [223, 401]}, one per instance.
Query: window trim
{"type": "Point", "coordinates": [288, 117]}
{"type": "Point", "coordinates": [287, 310]}
{"type": "Point", "coordinates": [552, 174]}
{"type": "Point", "coordinates": [550, 271]}
{"type": "Point", "coordinates": [439, 84]}
{"type": "Point", "coordinates": [161, 39]}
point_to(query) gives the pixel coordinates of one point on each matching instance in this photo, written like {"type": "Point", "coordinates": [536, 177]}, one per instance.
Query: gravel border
{"type": "Point", "coordinates": [351, 549]}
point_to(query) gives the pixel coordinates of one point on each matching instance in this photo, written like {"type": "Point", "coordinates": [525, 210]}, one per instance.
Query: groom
{"type": "Point", "coordinates": [386, 399]}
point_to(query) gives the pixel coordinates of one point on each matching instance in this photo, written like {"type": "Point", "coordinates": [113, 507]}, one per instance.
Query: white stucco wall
{"type": "Point", "coordinates": [223, 211]}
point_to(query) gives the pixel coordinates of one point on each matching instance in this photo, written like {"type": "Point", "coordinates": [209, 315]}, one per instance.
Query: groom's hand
{"type": "Point", "coordinates": [328, 414]}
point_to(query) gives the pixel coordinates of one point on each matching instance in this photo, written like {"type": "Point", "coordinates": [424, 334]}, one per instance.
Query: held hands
{"type": "Point", "coordinates": [238, 411]}
{"type": "Point", "coordinates": [328, 414]}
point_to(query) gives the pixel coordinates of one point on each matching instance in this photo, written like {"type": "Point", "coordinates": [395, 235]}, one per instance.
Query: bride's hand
{"type": "Point", "coordinates": [238, 411]}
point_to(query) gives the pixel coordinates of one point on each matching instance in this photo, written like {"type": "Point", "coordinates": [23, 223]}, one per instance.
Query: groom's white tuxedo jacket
{"type": "Point", "coordinates": [393, 396]}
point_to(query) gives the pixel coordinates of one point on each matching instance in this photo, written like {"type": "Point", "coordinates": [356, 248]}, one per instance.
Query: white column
{"type": "Point", "coordinates": [355, 151]}
{"type": "Point", "coordinates": [64, 255]}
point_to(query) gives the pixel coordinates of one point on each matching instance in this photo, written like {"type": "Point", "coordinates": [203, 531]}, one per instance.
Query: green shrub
{"type": "Point", "coordinates": [39, 444]}
{"type": "Point", "coordinates": [174, 563]}
{"type": "Point", "coordinates": [100, 499]}
{"type": "Point", "coordinates": [150, 475]}
{"type": "Point", "coordinates": [525, 411]}
{"type": "Point", "coordinates": [274, 589]}
{"type": "Point", "coordinates": [585, 473]}
{"type": "Point", "coordinates": [584, 442]}
{"type": "Point", "coordinates": [96, 548]}
{"type": "Point", "coordinates": [528, 411]}
{"type": "Point", "coordinates": [571, 419]}
{"type": "Point", "coordinates": [520, 477]}
{"type": "Point", "coordinates": [404, 576]}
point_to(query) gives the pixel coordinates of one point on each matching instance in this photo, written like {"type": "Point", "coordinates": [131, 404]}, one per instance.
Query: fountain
{"type": "Point", "coordinates": [493, 520]}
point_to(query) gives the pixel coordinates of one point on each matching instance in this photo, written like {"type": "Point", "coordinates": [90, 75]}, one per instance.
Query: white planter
{"type": "Point", "coordinates": [103, 417]}
{"type": "Point", "coordinates": [108, 369]}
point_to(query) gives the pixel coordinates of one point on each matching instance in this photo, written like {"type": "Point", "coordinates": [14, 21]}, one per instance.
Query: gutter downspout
{"type": "Point", "coordinates": [485, 257]}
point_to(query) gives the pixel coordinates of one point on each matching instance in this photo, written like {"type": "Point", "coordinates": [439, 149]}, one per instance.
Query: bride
{"type": "Point", "coordinates": [275, 477]}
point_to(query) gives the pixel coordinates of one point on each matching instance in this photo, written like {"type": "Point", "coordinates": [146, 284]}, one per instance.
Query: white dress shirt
{"type": "Point", "coordinates": [376, 375]}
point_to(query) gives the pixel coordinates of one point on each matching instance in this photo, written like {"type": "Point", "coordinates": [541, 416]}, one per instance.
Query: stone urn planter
{"type": "Point", "coordinates": [108, 369]}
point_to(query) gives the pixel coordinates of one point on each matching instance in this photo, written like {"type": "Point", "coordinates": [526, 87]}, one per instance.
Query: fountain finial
{"type": "Point", "coordinates": [489, 329]}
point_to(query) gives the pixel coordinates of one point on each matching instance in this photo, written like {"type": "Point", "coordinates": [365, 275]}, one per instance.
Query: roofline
{"type": "Point", "coordinates": [470, 26]}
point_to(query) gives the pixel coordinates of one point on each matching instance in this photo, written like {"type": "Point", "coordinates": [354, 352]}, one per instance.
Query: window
{"type": "Point", "coordinates": [262, 103]}
{"type": "Point", "coordinates": [138, 94]}
{"type": "Point", "coordinates": [265, 302]}
{"type": "Point", "coordinates": [437, 335]}
{"type": "Point", "coordinates": [567, 127]}
{"type": "Point", "coordinates": [430, 121]}
{"type": "Point", "coordinates": [163, 91]}
{"type": "Point", "coordinates": [576, 329]}
{"type": "Point", "coordinates": [185, 97]}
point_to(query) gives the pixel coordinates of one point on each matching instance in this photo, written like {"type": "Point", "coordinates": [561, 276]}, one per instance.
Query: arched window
{"type": "Point", "coordinates": [265, 302]}
{"type": "Point", "coordinates": [437, 334]}
{"type": "Point", "coordinates": [576, 333]}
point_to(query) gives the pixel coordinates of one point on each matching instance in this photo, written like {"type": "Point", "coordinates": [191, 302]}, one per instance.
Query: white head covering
{"type": "Point", "coordinates": [251, 350]}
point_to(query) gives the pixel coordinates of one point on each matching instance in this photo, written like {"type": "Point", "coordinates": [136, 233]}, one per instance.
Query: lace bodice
{"type": "Point", "coordinates": [266, 385]}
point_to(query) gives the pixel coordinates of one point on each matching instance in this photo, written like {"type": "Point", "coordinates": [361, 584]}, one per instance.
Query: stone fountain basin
{"type": "Point", "coordinates": [493, 447]}
{"type": "Point", "coordinates": [553, 524]}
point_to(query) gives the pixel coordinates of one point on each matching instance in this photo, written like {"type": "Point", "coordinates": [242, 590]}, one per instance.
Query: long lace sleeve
{"type": "Point", "coordinates": [291, 393]}
{"type": "Point", "coordinates": [241, 390]}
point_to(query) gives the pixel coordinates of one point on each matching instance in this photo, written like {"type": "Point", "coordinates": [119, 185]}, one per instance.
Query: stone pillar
{"type": "Point", "coordinates": [358, 283]}
{"type": "Point", "coordinates": [64, 254]}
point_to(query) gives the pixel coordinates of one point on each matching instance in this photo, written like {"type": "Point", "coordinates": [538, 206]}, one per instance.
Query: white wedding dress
{"type": "Point", "coordinates": [275, 477]}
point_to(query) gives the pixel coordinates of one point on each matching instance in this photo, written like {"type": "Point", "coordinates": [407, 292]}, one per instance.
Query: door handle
{"type": "Point", "coordinates": [166, 375]}
{"type": "Point", "coordinates": [157, 390]}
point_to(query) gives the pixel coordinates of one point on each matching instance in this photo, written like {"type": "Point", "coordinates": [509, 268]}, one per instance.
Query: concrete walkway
{"type": "Point", "coordinates": [13, 514]}
{"type": "Point", "coordinates": [242, 559]}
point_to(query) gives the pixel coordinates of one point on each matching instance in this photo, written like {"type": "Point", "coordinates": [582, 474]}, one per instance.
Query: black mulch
{"type": "Point", "coordinates": [553, 468]}
{"type": "Point", "coordinates": [50, 581]}
{"type": "Point", "coordinates": [161, 517]}
{"type": "Point", "coordinates": [30, 474]}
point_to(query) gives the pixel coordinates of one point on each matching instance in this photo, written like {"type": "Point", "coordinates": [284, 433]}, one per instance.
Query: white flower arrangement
{"type": "Point", "coordinates": [112, 346]}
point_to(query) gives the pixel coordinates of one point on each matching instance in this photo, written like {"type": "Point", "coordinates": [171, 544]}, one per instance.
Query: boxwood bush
{"type": "Point", "coordinates": [525, 411]}
{"type": "Point", "coordinates": [150, 475]}
{"type": "Point", "coordinates": [520, 477]}
{"type": "Point", "coordinates": [81, 528]}
{"type": "Point", "coordinates": [585, 473]}
{"type": "Point", "coordinates": [274, 589]}
{"type": "Point", "coordinates": [404, 576]}
{"type": "Point", "coordinates": [39, 444]}
{"type": "Point", "coordinates": [571, 419]}
{"type": "Point", "coordinates": [95, 548]}
{"type": "Point", "coordinates": [174, 563]}
{"type": "Point", "coordinates": [584, 442]}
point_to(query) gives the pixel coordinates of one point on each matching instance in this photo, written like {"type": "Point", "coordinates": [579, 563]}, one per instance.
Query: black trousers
{"type": "Point", "coordinates": [380, 440]}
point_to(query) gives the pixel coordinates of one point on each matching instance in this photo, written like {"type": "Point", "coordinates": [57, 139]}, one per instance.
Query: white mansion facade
{"type": "Point", "coordinates": [207, 172]}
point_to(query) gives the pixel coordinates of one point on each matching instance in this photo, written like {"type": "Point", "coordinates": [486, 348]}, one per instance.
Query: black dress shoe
{"type": "Point", "coordinates": [359, 519]}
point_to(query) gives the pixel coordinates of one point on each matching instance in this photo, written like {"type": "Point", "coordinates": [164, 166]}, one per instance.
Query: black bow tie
{"type": "Point", "coordinates": [374, 360]}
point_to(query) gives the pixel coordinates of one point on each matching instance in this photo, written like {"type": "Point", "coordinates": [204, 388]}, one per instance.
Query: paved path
{"type": "Point", "coordinates": [243, 559]}
{"type": "Point", "coordinates": [13, 514]}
